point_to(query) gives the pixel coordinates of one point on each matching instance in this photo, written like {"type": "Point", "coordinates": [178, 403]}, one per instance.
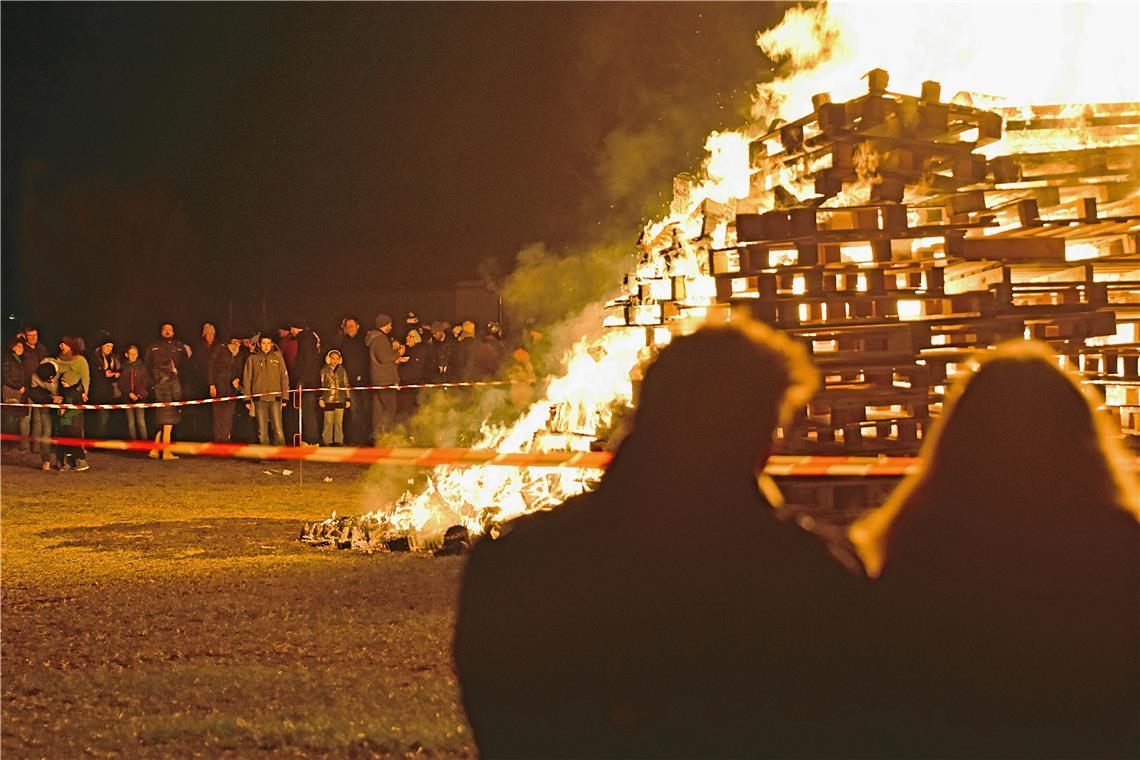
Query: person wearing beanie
{"type": "Point", "coordinates": [464, 345]}
{"type": "Point", "coordinates": [383, 366]}
{"type": "Point", "coordinates": [335, 397]}
{"type": "Point", "coordinates": [105, 371]}
{"type": "Point", "coordinates": [224, 375]}
{"type": "Point", "coordinates": [43, 388]}
{"type": "Point", "coordinates": [74, 383]}
{"type": "Point", "coordinates": [411, 324]}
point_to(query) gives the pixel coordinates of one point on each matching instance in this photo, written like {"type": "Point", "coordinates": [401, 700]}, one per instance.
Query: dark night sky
{"type": "Point", "coordinates": [173, 157]}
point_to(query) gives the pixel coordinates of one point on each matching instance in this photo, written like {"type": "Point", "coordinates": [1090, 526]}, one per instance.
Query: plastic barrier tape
{"type": "Point", "coordinates": [778, 466]}
{"type": "Point", "coordinates": [247, 398]}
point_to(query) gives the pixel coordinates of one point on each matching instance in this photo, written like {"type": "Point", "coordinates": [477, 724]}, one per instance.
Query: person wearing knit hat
{"type": "Point", "coordinates": [105, 369]}
{"type": "Point", "coordinates": [74, 382]}
{"type": "Point", "coordinates": [411, 324]}
{"type": "Point", "coordinates": [384, 370]}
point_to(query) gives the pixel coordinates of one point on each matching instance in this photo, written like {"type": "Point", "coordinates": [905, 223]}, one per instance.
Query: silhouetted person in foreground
{"type": "Point", "coordinates": [1008, 589]}
{"type": "Point", "coordinates": [670, 612]}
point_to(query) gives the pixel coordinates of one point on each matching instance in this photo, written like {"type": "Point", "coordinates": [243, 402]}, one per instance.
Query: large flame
{"type": "Point", "coordinates": [1003, 56]}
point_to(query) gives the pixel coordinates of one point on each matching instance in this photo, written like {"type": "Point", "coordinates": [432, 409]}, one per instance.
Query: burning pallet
{"type": "Point", "coordinates": [894, 236]}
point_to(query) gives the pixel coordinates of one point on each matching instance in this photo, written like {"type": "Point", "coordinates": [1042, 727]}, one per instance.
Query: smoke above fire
{"type": "Point", "coordinates": [1007, 54]}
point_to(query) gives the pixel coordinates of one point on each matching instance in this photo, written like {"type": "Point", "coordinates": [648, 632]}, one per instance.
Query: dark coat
{"type": "Point", "coordinates": [167, 389]}
{"type": "Point", "coordinates": [354, 352]}
{"type": "Point", "coordinates": [440, 367]}
{"type": "Point", "coordinates": [13, 372]}
{"type": "Point", "coordinates": [224, 369]}
{"type": "Point", "coordinates": [163, 355]}
{"type": "Point", "coordinates": [31, 360]}
{"type": "Point", "coordinates": [103, 388]}
{"type": "Point", "coordinates": [461, 365]}
{"type": "Point", "coordinates": [1025, 645]}
{"type": "Point", "coordinates": [134, 378]}
{"type": "Point", "coordinates": [412, 371]}
{"type": "Point", "coordinates": [670, 613]}
{"type": "Point", "coordinates": [309, 360]}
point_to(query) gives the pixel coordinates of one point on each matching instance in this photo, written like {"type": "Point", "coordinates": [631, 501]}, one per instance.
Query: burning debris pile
{"type": "Point", "coordinates": [369, 533]}
{"type": "Point", "coordinates": [894, 234]}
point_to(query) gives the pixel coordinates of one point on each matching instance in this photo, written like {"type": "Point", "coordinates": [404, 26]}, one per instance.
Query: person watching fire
{"type": "Point", "coordinates": [670, 611]}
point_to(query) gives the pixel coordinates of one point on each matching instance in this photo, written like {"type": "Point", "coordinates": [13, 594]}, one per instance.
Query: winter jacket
{"type": "Point", "coordinates": [413, 370]}
{"type": "Point", "coordinates": [266, 373]}
{"type": "Point", "coordinates": [309, 362]}
{"type": "Point", "coordinates": [224, 368]}
{"type": "Point", "coordinates": [103, 388]}
{"type": "Point", "coordinates": [356, 358]}
{"type": "Point", "coordinates": [199, 366]}
{"type": "Point", "coordinates": [382, 358]}
{"type": "Point", "coordinates": [133, 378]}
{"type": "Point", "coordinates": [13, 373]}
{"type": "Point", "coordinates": [31, 360]}
{"type": "Point", "coordinates": [439, 363]}
{"type": "Point", "coordinates": [164, 354]}
{"type": "Point", "coordinates": [41, 392]}
{"type": "Point", "coordinates": [335, 383]}
{"type": "Point", "coordinates": [75, 372]}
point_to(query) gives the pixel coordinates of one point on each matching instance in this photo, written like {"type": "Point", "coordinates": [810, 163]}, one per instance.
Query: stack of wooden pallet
{"type": "Point", "coordinates": [896, 235]}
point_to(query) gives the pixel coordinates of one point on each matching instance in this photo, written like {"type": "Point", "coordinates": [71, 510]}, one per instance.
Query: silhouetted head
{"type": "Point", "coordinates": [1020, 443]}
{"type": "Point", "coordinates": [712, 400]}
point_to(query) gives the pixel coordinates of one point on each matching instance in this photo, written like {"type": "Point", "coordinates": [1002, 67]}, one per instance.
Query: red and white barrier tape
{"type": "Point", "coordinates": [250, 397]}
{"type": "Point", "coordinates": [779, 466]}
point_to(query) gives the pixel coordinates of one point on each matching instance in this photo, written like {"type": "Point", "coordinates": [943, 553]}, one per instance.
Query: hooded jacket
{"type": "Point", "coordinates": [335, 382]}
{"type": "Point", "coordinates": [266, 373]}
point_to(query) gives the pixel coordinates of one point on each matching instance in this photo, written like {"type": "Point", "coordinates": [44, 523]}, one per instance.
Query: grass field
{"type": "Point", "coordinates": [166, 609]}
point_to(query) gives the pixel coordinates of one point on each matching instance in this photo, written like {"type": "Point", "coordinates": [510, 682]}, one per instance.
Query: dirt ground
{"type": "Point", "coordinates": [166, 609]}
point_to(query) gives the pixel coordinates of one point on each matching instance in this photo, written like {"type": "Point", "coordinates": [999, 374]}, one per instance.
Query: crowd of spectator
{"type": "Point", "coordinates": [257, 374]}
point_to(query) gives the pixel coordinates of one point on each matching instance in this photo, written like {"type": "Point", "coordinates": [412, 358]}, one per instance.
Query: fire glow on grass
{"type": "Point", "coordinates": [998, 57]}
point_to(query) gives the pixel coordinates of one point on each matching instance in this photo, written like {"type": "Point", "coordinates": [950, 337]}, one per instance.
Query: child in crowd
{"type": "Point", "coordinates": [44, 389]}
{"type": "Point", "coordinates": [335, 398]}
{"type": "Point", "coordinates": [134, 382]}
